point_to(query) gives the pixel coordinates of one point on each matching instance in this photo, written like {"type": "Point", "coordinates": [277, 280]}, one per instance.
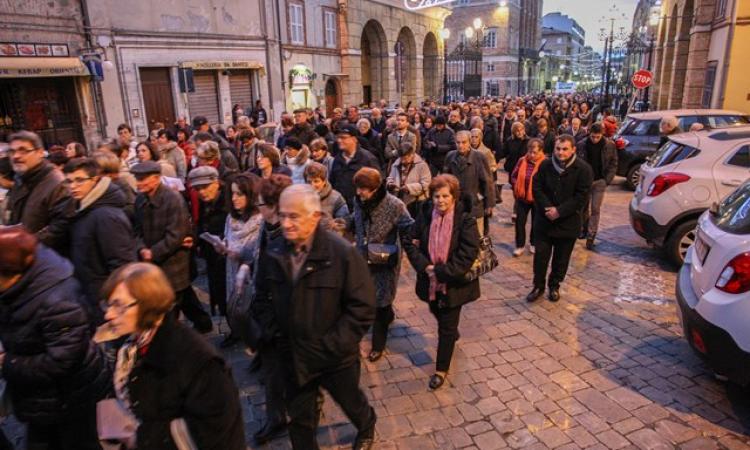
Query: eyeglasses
{"type": "Point", "coordinates": [115, 305]}
{"type": "Point", "coordinates": [21, 151]}
{"type": "Point", "coordinates": [76, 181]}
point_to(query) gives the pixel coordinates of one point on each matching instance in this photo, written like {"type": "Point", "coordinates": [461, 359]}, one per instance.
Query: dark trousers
{"type": "Point", "coordinates": [383, 318]}
{"type": "Point", "coordinates": [447, 319]}
{"type": "Point", "coordinates": [187, 302]}
{"type": "Point", "coordinates": [522, 212]}
{"type": "Point", "coordinates": [343, 385]}
{"type": "Point", "coordinates": [216, 272]}
{"type": "Point", "coordinates": [76, 432]}
{"type": "Point", "coordinates": [273, 373]}
{"type": "Point", "coordinates": [559, 249]}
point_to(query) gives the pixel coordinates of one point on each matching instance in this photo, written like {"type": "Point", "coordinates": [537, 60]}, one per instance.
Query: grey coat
{"type": "Point", "coordinates": [381, 220]}
{"type": "Point", "coordinates": [392, 144]}
{"type": "Point", "coordinates": [417, 183]}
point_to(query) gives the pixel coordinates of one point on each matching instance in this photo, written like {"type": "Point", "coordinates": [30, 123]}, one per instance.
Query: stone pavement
{"type": "Point", "coordinates": [605, 368]}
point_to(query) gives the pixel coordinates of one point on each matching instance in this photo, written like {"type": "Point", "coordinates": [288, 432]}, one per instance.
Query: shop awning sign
{"type": "Point", "coordinates": [23, 67]}
{"type": "Point", "coordinates": [415, 5]}
{"type": "Point", "coordinates": [222, 65]}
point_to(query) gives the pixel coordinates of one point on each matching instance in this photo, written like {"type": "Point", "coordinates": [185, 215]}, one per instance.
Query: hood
{"type": "Point", "coordinates": [168, 147]}
{"type": "Point", "coordinates": [301, 158]}
{"type": "Point", "coordinates": [49, 270]}
{"type": "Point", "coordinates": [105, 193]}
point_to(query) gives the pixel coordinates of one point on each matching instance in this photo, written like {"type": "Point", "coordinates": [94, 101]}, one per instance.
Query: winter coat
{"type": "Point", "coordinates": [513, 150]}
{"type": "Point", "coordinates": [491, 136]}
{"type": "Point", "coordinates": [381, 220]}
{"type": "Point", "coordinates": [327, 161]}
{"type": "Point", "coordinates": [175, 156]}
{"type": "Point", "coordinates": [577, 135]}
{"type": "Point", "coordinates": [101, 239]}
{"type": "Point", "coordinates": [247, 156]}
{"type": "Point", "coordinates": [297, 165]}
{"type": "Point", "coordinates": [464, 249]}
{"type": "Point", "coordinates": [416, 186]}
{"type": "Point", "coordinates": [51, 365]}
{"type": "Point", "coordinates": [42, 203]}
{"type": "Point", "coordinates": [472, 173]}
{"type": "Point", "coordinates": [239, 234]}
{"type": "Point", "coordinates": [378, 125]}
{"type": "Point", "coordinates": [162, 222]}
{"type": "Point", "coordinates": [566, 191]}
{"type": "Point", "coordinates": [332, 203]}
{"type": "Point", "coordinates": [548, 141]}
{"type": "Point", "coordinates": [393, 144]}
{"type": "Point", "coordinates": [489, 155]}
{"type": "Point", "coordinates": [608, 155]}
{"type": "Point", "coordinates": [303, 132]}
{"type": "Point", "coordinates": [129, 196]}
{"type": "Point", "coordinates": [445, 142]}
{"type": "Point", "coordinates": [320, 318]}
{"type": "Point", "coordinates": [212, 218]}
{"type": "Point", "coordinates": [342, 173]}
{"type": "Point", "coordinates": [456, 127]}
{"type": "Point", "coordinates": [371, 141]}
{"type": "Point", "coordinates": [181, 375]}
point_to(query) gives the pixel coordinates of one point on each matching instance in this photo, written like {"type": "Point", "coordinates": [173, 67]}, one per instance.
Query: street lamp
{"type": "Point", "coordinates": [445, 33]}
{"type": "Point", "coordinates": [469, 32]}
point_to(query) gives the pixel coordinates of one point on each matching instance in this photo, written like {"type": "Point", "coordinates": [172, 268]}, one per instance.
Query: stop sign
{"type": "Point", "coordinates": [642, 79]}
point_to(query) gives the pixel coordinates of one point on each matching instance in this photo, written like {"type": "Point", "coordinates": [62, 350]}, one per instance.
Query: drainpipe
{"type": "Point", "coordinates": [281, 51]}
{"type": "Point", "coordinates": [727, 53]}
{"type": "Point", "coordinates": [94, 85]}
{"type": "Point", "coordinates": [264, 31]}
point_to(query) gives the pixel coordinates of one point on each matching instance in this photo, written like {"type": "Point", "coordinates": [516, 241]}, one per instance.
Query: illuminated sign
{"type": "Point", "coordinates": [422, 4]}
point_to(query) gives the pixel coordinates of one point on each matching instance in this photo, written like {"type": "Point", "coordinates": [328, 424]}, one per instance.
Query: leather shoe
{"type": "Point", "coordinates": [590, 242]}
{"type": "Point", "coordinates": [374, 355]}
{"type": "Point", "coordinates": [534, 294]}
{"type": "Point", "coordinates": [436, 380]}
{"type": "Point", "coordinates": [554, 294]}
{"type": "Point", "coordinates": [269, 431]}
{"type": "Point", "coordinates": [364, 442]}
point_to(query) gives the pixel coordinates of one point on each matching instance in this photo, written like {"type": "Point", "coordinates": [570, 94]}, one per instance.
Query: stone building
{"type": "Point", "coordinates": [700, 53]}
{"type": "Point", "coordinates": [564, 48]}
{"type": "Point", "coordinates": [44, 86]}
{"type": "Point", "coordinates": [389, 52]}
{"type": "Point", "coordinates": [510, 38]}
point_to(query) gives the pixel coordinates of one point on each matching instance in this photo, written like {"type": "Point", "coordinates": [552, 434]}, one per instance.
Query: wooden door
{"type": "Point", "coordinates": [157, 96]}
{"type": "Point", "coordinates": [332, 97]}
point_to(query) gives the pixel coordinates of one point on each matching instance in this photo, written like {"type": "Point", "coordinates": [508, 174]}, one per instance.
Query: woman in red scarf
{"type": "Point", "coordinates": [521, 179]}
{"type": "Point", "coordinates": [442, 247]}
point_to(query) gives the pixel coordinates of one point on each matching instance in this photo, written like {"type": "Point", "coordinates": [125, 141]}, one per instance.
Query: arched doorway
{"type": "Point", "coordinates": [430, 69]}
{"type": "Point", "coordinates": [405, 63]}
{"type": "Point", "coordinates": [374, 46]}
{"type": "Point", "coordinates": [682, 48]}
{"type": "Point", "coordinates": [332, 96]}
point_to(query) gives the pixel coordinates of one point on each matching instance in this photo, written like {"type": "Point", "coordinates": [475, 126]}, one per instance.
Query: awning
{"type": "Point", "coordinates": [18, 67]}
{"type": "Point", "coordinates": [223, 65]}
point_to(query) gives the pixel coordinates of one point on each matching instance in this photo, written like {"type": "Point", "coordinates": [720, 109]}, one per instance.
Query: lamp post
{"type": "Point", "coordinates": [445, 33]}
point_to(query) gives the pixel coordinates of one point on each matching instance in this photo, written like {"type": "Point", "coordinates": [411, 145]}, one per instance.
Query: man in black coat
{"type": "Point", "coordinates": [302, 129]}
{"type": "Point", "coordinates": [348, 161]}
{"type": "Point", "coordinates": [601, 154]}
{"type": "Point", "coordinates": [162, 225]}
{"type": "Point", "coordinates": [101, 236]}
{"type": "Point", "coordinates": [55, 373]}
{"type": "Point", "coordinates": [314, 304]}
{"type": "Point", "coordinates": [39, 200]}
{"type": "Point", "coordinates": [560, 189]}
{"type": "Point", "coordinates": [472, 170]}
{"type": "Point", "coordinates": [454, 121]}
{"type": "Point", "coordinates": [439, 141]}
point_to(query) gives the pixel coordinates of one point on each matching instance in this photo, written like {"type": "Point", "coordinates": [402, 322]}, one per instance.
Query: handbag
{"type": "Point", "coordinates": [240, 316]}
{"type": "Point", "coordinates": [486, 260]}
{"type": "Point", "coordinates": [382, 254]}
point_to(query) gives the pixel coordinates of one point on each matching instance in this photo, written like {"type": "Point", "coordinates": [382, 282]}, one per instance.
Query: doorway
{"type": "Point", "coordinates": [156, 85]}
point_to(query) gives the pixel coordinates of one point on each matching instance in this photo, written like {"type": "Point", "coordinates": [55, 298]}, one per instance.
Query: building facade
{"type": "Point", "coordinates": [564, 49]}
{"type": "Point", "coordinates": [510, 40]}
{"type": "Point", "coordinates": [700, 52]}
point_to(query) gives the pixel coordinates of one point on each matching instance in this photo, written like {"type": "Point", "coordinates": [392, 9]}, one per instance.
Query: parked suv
{"type": "Point", "coordinates": [638, 136]}
{"type": "Point", "coordinates": [682, 179]}
{"type": "Point", "coordinates": [713, 288]}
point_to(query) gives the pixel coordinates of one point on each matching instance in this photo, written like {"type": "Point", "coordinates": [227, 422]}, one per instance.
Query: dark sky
{"type": "Point", "coordinates": [590, 15]}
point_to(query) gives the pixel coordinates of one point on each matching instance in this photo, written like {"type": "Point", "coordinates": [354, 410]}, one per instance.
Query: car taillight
{"type": "Point", "coordinates": [621, 143]}
{"type": "Point", "coordinates": [735, 278]}
{"type": "Point", "coordinates": [665, 181]}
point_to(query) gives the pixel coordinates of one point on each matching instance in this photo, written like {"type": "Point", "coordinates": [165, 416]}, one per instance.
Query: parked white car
{"type": "Point", "coordinates": [713, 288]}
{"type": "Point", "coordinates": [681, 181]}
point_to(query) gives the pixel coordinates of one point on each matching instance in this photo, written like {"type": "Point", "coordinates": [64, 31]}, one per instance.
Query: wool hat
{"type": "Point", "coordinates": [146, 168]}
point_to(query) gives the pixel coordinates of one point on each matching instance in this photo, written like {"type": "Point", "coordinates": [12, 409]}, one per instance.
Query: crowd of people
{"type": "Point", "coordinates": [102, 246]}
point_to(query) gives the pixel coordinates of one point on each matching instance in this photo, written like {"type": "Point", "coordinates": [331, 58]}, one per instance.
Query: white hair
{"type": "Point", "coordinates": [306, 194]}
{"type": "Point", "coordinates": [363, 121]}
{"type": "Point", "coordinates": [670, 121]}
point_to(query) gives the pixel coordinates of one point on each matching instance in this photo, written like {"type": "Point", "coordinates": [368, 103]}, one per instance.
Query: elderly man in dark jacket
{"type": "Point", "coordinates": [162, 225]}
{"type": "Point", "coordinates": [348, 161]}
{"type": "Point", "coordinates": [39, 200]}
{"type": "Point", "coordinates": [302, 129]}
{"type": "Point", "coordinates": [560, 189]}
{"type": "Point", "coordinates": [314, 302]}
{"type": "Point", "coordinates": [438, 142]}
{"type": "Point", "coordinates": [472, 170]}
{"type": "Point", "coordinates": [55, 374]}
{"type": "Point", "coordinates": [101, 236]}
{"type": "Point", "coordinates": [601, 154]}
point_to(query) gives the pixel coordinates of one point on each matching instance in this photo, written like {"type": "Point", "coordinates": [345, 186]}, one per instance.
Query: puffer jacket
{"type": "Point", "coordinates": [332, 202]}
{"type": "Point", "coordinates": [297, 165]}
{"type": "Point", "coordinates": [175, 156]}
{"type": "Point", "coordinates": [51, 365]}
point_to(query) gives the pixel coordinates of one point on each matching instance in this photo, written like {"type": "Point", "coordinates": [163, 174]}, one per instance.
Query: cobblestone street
{"type": "Point", "coordinates": [605, 368]}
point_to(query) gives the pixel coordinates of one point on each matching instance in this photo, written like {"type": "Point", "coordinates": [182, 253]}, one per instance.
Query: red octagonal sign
{"type": "Point", "coordinates": [642, 79]}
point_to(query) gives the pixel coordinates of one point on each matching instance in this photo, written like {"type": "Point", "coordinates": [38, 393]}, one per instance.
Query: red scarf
{"type": "Point", "coordinates": [522, 189]}
{"type": "Point", "coordinates": [441, 230]}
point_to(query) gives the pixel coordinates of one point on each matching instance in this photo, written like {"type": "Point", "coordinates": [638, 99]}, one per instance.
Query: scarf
{"type": "Point", "coordinates": [522, 189]}
{"type": "Point", "coordinates": [441, 230]}
{"type": "Point", "coordinates": [135, 346]}
{"type": "Point", "coordinates": [559, 166]}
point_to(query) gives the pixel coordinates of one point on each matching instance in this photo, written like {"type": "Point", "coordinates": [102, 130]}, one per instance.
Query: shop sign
{"type": "Point", "coordinates": [422, 4]}
{"type": "Point", "coordinates": [222, 65]}
{"type": "Point", "coordinates": [27, 49]}
{"type": "Point", "coordinates": [47, 67]}
{"type": "Point", "coordinates": [301, 74]}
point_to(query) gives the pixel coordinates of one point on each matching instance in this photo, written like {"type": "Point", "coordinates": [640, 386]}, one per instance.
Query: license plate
{"type": "Point", "coordinates": [701, 249]}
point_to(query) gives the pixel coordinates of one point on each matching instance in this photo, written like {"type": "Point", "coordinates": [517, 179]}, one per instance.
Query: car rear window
{"type": "Point", "coordinates": [733, 213]}
{"type": "Point", "coordinates": [672, 152]}
{"type": "Point", "coordinates": [726, 121]}
{"type": "Point", "coordinates": [641, 128]}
